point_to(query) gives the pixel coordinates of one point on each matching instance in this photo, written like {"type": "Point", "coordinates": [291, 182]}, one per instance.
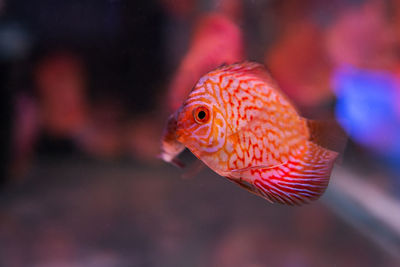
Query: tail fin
{"type": "Point", "coordinates": [328, 134]}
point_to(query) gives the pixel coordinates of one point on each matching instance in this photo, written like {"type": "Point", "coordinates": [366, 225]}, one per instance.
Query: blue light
{"type": "Point", "coordinates": [366, 108]}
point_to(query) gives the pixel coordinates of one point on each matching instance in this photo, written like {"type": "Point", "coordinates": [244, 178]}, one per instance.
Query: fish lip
{"type": "Point", "coordinates": [165, 156]}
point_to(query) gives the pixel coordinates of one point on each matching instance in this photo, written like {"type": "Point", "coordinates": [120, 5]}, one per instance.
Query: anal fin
{"type": "Point", "coordinates": [296, 182]}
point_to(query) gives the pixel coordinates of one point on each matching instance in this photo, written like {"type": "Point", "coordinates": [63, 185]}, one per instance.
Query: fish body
{"type": "Point", "coordinates": [238, 122]}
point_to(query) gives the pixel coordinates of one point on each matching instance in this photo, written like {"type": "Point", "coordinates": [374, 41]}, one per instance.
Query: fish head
{"type": "Point", "coordinates": [201, 126]}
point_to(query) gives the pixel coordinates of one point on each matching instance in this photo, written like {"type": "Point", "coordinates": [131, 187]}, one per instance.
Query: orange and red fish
{"type": "Point", "coordinates": [238, 122]}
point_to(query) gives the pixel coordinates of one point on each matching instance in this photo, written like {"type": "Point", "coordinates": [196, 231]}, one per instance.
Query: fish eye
{"type": "Point", "coordinates": [201, 114]}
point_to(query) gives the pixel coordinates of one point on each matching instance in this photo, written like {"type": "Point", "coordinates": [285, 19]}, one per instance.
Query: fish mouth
{"type": "Point", "coordinates": [170, 150]}
{"type": "Point", "coordinates": [171, 147]}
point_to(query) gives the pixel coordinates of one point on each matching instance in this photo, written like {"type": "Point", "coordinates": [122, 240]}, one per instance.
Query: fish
{"type": "Point", "coordinates": [238, 122]}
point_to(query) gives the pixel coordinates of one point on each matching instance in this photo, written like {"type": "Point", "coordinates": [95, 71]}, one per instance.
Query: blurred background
{"type": "Point", "coordinates": [87, 85]}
